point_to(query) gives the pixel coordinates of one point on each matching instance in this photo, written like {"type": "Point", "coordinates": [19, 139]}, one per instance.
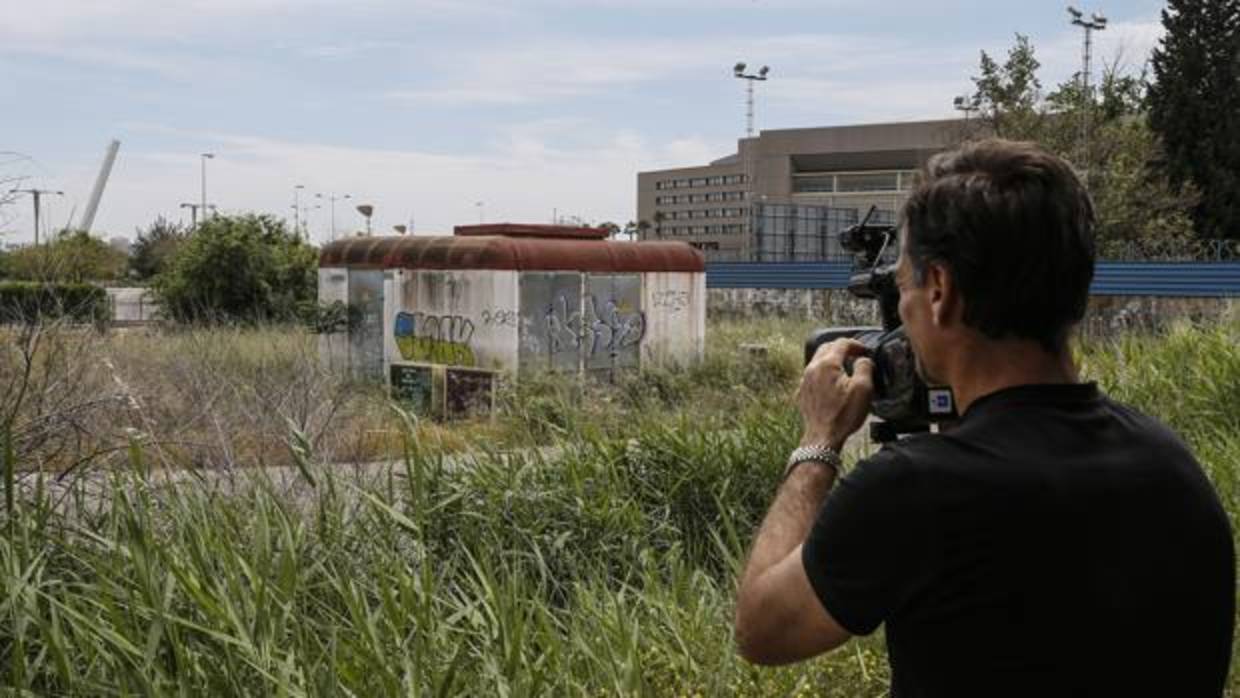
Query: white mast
{"type": "Point", "coordinates": [88, 216]}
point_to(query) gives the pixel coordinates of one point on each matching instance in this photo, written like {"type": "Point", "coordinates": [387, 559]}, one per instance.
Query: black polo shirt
{"type": "Point", "coordinates": [1055, 543]}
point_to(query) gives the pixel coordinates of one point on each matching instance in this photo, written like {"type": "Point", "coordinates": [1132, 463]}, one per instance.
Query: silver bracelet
{"type": "Point", "coordinates": [819, 454]}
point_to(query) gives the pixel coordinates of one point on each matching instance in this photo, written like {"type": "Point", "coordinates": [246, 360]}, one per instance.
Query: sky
{"type": "Point", "coordinates": [447, 112]}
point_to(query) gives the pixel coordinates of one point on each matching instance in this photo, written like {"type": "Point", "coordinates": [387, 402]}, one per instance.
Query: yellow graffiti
{"type": "Point", "coordinates": [435, 351]}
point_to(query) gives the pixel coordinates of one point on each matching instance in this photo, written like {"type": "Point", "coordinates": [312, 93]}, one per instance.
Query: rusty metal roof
{"type": "Point", "coordinates": [472, 250]}
{"type": "Point", "coordinates": [533, 231]}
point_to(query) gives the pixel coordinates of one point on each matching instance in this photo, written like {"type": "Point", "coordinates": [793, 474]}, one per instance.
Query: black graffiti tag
{"type": "Point", "coordinates": [600, 326]}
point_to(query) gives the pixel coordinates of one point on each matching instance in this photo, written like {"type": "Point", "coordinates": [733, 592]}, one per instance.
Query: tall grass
{"type": "Point", "coordinates": [604, 568]}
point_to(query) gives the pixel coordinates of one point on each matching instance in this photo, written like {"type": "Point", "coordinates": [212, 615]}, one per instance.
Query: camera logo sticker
{"type": "Point", "coordinates": [940, 400]}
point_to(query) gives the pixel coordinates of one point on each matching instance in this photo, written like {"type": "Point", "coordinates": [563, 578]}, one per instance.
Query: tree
{"type": "Point", "coordinates": [1009, 96]}
{"type": "Point", "coordinates": [1193, 106]}
{"type": "Point", "coordinates": [613, 229]}
{"type": "Point", "coordinates": [643, 229]}
{"type": "Point", "coordinates": [248, 268]}
{"type": "Point", "coordinates": [155, 247]}
{"type": "Point", "coordinates": [71, 256]}
{"type": "Point", "coordinates": [1134, 202]}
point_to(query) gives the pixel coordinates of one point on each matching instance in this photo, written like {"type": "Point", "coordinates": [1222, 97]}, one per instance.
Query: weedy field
{"type": "Point", "coordinates": [479, 564]}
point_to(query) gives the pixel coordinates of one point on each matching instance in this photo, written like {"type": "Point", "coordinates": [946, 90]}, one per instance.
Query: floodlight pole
{"type": "Point", "coordinates": [738, 71]}
{"type": "Point", "coordinates": [36, 194]}
{"type": "Point", "coordinates": [203, 158]}
{"type": "Point", "coordinates": [1096, 22]}
{"type": "Point", "coordinates": [297, 208]}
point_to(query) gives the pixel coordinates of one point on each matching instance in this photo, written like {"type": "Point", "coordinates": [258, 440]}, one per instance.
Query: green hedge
{"type": "Point", "coordinates": [29, 301]}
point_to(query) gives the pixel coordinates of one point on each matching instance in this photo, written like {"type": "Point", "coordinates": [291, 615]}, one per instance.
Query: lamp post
{"type": "Point", "coordinates": [297, 209]}
{"type": "Point", "coordinates": [193, 213]}
{"type": "Point", "coordinates": [964, 104]}
{"type": "Point", "coordinates": [481, 208]}
{"type": "Point", "coordinates": [367, 211]}
{"type": "Point", "coordinates": [738, 71]}
{"type": "Point", "coordinates": [1096, 22]}
{"type": "Point", "coordinates": [203, 159]}
{"type": "Point", "coordinates": [36, 195]}
{"type": "Point", "coordinates": [332, 199]}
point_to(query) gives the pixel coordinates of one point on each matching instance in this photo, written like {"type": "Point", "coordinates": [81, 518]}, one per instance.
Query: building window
{"type": "Point", "coordinates": [824, 184]}
{"type": "Point", "coordinates": [877, 181]}
{"type": "Point", "coordinates": [716, 181]}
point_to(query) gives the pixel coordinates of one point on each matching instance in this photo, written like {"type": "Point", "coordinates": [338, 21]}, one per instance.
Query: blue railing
{"type": "Point", "coordinates": [1186, 279]}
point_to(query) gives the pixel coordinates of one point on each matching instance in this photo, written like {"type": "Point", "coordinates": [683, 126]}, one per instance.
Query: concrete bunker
{"type": "Point", "coordinates": [509, 298]}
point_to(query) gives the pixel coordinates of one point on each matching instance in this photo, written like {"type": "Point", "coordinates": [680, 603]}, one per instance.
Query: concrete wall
{"type": "Point", "coordinates": [1106, 314]}
{"type": "Point", "coordinates": [333, 287]}
{"type": "Point", "coordinates": [132, 305]}
{"type": "Point", "coordinates": [831, 306]}
{"type": "Point", "coordinates": [675, 305]}
{"type": "Point", "coordinates": [510, 321]}
{"type": "Point", "coordinates": [460, 318]}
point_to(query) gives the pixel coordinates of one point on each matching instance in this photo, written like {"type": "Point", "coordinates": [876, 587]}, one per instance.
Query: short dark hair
{"type": "Point", "coordinates": [1015, 228]}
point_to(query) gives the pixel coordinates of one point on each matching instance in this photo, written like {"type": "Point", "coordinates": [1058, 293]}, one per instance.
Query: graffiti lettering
{"type": "Point", "coordinates": [500, 318]}
{"type": "Point", "coordinates": [599, 327]}
{"type": "Point", "coordinates": [672, 301]}
{"type": "Point", "coordinates": [440, 339]}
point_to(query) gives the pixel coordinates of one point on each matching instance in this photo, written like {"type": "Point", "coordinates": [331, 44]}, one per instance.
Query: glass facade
{"type": "Point", "coordinates": [795, 233]}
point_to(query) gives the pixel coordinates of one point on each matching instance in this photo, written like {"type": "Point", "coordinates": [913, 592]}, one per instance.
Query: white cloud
{"type": "Point", "coordinates": [529, 72]}
{"type": "Point", "coordinates": [524, 179]}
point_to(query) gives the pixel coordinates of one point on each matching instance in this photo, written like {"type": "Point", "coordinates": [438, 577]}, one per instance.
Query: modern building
{"type": "Point", "coordinates": [785, 192]}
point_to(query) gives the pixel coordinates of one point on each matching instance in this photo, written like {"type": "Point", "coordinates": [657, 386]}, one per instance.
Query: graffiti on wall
{"type": "Point", "coordinates": [599, 327]}
{"type": "Point", "coordinates": [671, 301]}
{"type": "Point", "coordinates": [499, 317]}
{"type": "Point", "coordinates": [438, 339]}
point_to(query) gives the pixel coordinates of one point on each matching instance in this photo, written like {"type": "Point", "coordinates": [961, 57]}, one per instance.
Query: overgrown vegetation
{"type": "Point", "coordinates": [71, 256]}
{"type": "Point", "coordinates": [155, 247]}
{"type": "Point", "coordinates": [1193, 101]}
{"type": "Point", "coordinates": [248, 269]}
{"type": "Point", "coordinates": [602, 566]}
{"type": "Point", "coordinates": [32, 302]}
{"type": "Point", "coordinates": [1137, 205]}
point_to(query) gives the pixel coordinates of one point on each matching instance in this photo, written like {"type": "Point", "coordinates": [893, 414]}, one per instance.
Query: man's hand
{"type": "Point", "coordinates": [834, 404]}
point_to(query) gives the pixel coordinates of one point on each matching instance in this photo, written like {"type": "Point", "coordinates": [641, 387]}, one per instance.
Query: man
{"type": "Point", "coordinates": [1053, 543]}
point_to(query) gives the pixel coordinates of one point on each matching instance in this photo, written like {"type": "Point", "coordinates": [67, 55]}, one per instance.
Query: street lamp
{"type": "Point", "coordinates": [203, 158]}
{"type": "Point", "coordinates": [964, 104]}
{"type": "Point", "coordinates": [297, 208]}
{"type": "Point", "coordinates": [333, 198]}
{"type": "Point", "coordinates": [738, 71]}
{"type": "Point", "coordinates": [481, 207]}
{"type": "Point", "coordinates": [367, 211]}
{"type": "Point", "coordinates": [193, 213]}
{"type": "Point", "coordinates": [36, 194]}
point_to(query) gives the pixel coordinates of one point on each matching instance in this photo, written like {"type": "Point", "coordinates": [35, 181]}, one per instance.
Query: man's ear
{"type": "Point", "coordinates": [946, 307]}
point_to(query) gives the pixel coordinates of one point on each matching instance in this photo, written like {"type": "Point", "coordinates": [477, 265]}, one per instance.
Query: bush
{"type": "Point", "coordinates": [27, 302]}
{"type": "Point", "coordinates": [247, 269]}
{"type": "Point", "coordinates": [71, 256]}
{"type": "Point", "coordinates": [156, 247]}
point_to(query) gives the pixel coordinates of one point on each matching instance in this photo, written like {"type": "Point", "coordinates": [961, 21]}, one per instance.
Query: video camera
{"type": "Point", "coordinates": [902, 400]}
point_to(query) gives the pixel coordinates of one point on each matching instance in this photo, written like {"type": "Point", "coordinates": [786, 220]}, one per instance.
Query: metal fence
{"type": "Point", "coordinates": [1165, 279]}
{"type": "Point", "coordinates": [805, 233]}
